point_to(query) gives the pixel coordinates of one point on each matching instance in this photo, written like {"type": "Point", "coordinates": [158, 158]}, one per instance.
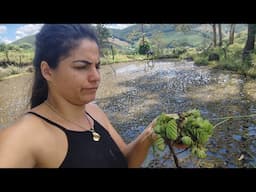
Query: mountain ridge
{"type": "Point", "coordinates": [168, 34]}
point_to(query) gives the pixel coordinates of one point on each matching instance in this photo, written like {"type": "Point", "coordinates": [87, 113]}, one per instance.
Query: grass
{"type": "Point", "coordinates": [108, 59]}
{"type": "Point", "coordinates": [13, 71]}
{"type": "Point", "coordinates": [230, 56]}
{"type": "Point", "coordinates": [17, 56]}
{"type": "Point", "coordinates": [179, 38]}
{"type": "Point", "coordinates": [12, 76]}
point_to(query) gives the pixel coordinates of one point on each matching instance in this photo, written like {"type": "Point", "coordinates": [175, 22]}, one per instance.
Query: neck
{"type": "Point", "coordinates": [95, 136]}
{"type": "Point", "coordinates": [67, 109]}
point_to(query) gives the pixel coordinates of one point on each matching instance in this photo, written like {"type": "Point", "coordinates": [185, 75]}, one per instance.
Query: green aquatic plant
{"type": "Point", "coordinates": [187, 128]}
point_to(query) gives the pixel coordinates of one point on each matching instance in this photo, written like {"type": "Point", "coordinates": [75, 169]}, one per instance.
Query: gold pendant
{"type": "Point", "coordinates": [95, 136]}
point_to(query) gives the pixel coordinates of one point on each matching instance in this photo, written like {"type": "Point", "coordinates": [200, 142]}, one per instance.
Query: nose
{"type": "Point", "coordinates": [94, 74]}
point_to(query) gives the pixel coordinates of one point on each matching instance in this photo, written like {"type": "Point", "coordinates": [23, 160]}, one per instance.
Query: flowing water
{"type": "Point", "coordinates": [132, 94]}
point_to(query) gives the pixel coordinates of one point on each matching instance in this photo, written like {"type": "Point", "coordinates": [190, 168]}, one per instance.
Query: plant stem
{"type": "Point", "coordinates": [235, 117]}
{"type": "Point", "coordinates": [173, 154]}
{"type": "Point", "coordinates": [220, 123]}
{"type": "Point", "coordinates": [231, 117]}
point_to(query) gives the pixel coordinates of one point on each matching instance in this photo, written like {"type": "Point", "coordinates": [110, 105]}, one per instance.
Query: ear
{"type": "Point", "coordinates": [46, 71]}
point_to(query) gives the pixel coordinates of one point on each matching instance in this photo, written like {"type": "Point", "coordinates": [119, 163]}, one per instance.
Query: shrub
{"type": "Point", "coordinates": [144, 47]}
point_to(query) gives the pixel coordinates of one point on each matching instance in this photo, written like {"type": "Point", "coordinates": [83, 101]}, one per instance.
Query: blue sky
{"type": "Point", "coordinates": [13, 32]}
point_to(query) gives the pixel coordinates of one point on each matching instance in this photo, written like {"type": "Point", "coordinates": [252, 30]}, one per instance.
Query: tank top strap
{"type": "Point", "coordinates": [48, 120]}
{"type": "Point", "coordinates": [89, 115]}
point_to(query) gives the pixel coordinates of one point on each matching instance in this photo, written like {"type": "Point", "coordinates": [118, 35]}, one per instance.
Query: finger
{"type": "Point", "coordinates": [154, 122]}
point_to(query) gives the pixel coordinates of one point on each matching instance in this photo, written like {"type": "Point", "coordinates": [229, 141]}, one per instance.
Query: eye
{"type": "Point", "coordinates": [81, 67]}
{"type": "Point", "coordinates": [98, 66]}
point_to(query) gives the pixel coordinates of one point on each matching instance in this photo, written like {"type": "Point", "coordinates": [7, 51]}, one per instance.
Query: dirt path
{"type": "Point", "coordinates": [14, 94]}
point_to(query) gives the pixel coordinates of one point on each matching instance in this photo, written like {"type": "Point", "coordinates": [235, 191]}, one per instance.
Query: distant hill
{"type": "Point", "coordinates": [118, 43]}
{"type": "Point", "coordinates": [198, 35]}
{"type": "Point", "coordinates": [149, 29]}
{"type": "Point", "coordinates": [31, 40]}
{"type": "Point", "coordinates": [28, 39]}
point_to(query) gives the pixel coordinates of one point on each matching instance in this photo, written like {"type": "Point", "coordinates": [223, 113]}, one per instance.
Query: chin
{"type": "Point", "coordinates": [89, 100]}
{"type": "Point", "coordinates": [86, 98]}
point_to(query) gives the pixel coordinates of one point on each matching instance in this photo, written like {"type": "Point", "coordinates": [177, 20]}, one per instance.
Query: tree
{"type": "Point", "coordinates": [3, 47]}
{"type": "Point", "coordinates": [143, 47]}
{"type": "Point", "coordinates": [142, 31]}
{"type": "Point", "coordinates": [133, 36]}
{"type": "Point", "coordinates": [214, 35]}
{"type": "Point", "coordinates": [6, 51]}
{"type": "Point", "coordinates": [220, 35]}
{"type": "Point", "coordinates": [249, 46]}
{"type": "Point", "coordinates": [231, 33]}
{"type": "Point", "coordinates": [157, 41]}
{"type": "Point", "coordinates": [103, 35]}
{"type": "Point", "coordinates": [183, 28]}
{"type": "Point", "coordinates": [113, 52]}
{"type": "Point", "coordinates": [25, 46]}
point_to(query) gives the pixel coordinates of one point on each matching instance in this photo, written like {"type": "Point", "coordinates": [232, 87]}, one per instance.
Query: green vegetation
{"type": "Point", "coordinates": [180, 41]}
{"type": "Point", "coordinates": [27, 40]}
{"type": "Point", "coordinates": [188, 128]}
{"type": "Point", "coordinates": [144, 47]}
{"type": "Point", "coordinates": [108, 59]}
{"type": "Point", "coordinates": [16, 57]}
{"type": "Point", "coordinates": [13, 70]}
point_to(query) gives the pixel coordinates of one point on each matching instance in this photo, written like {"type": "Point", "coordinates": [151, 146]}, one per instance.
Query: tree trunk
{"type": "Point", "coordinates": [112, 51]}
{"type": "Point", "coordinates": [231, 34]}
{"type": "Point", "coordinates": [214, 35]}
{"type": "Point", "coordinates": [249, 46]}
{"type": "Point", "coordinates": [220, 35]}
{"type": "Point", "coordinates": [142, 30]}
{"type": "Point", "coordinates": [7, 56]}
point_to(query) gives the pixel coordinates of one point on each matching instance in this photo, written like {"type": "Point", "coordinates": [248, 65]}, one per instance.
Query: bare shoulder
{"type": "Point", "coordinates": [18, 142]}
{"type": "Point", "coordinates": [97, 113]}
{"type": "Point", "coordinates": [26, 126]}
{"type": "Point", "coordinates": [94, 109]}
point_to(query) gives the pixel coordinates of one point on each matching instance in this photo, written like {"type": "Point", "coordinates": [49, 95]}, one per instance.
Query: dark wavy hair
{"type": "Point", "coordinates": [55, 41]}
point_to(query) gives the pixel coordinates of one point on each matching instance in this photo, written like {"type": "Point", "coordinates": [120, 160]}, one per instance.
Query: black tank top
{"type": "Point", "coordinates": [83, 152]}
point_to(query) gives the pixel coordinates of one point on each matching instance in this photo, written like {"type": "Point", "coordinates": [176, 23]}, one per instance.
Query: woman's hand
{"type": "Point", "coordinates": [151, 135]}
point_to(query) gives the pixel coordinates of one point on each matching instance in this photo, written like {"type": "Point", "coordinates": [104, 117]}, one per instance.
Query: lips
{"type": "Point", "coordinates": [92, 88]}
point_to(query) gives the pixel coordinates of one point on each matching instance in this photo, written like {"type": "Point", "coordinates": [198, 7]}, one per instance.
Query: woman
{"type": "Point", "coordinates": [63, 128]}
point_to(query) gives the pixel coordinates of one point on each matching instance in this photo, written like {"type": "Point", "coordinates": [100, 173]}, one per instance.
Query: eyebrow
{"type": "Point", "coordinates": [84, 61]}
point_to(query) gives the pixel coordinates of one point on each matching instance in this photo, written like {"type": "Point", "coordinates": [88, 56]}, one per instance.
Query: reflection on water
{"type": "Point", "coordinates": [128, 69]}
{"type": "Point", "coordinates": [178, 86]}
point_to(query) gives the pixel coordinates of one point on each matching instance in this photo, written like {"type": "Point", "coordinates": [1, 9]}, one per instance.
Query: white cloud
{"type": "Point", "coordinates": [5, 40]}
{"type": "Point", "coordinates": [118, 26]}
{"type": "Point", "coordinates": [3, 29]}
{"type": "Point", "coordinates": [28, 29]}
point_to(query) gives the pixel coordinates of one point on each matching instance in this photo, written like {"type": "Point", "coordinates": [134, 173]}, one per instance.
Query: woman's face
{"type": "Point", "coordinates": [77, 76]}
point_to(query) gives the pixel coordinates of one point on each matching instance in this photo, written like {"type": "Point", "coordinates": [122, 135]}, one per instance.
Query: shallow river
{"type": "Point", "coordinates": [132, 94]}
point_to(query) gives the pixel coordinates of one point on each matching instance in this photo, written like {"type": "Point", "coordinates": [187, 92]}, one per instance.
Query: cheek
{"type": "Point", "coordinates": [77, 82]}
{"type": "Point", "coordinates": [70, 80]}
{"type": "Point", "coordinates": [67, 81]}
{"type": "Point", "coordinates": [74, 80]}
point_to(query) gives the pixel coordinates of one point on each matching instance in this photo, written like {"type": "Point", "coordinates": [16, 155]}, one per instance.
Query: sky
{"type": "Point", "coordinates": [13, 32]}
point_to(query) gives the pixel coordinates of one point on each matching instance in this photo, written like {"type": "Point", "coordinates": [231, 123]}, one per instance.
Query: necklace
{"type": "Point", "coordinates": [95, 135]}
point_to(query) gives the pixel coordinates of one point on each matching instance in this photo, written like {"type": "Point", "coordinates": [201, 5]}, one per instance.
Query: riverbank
{"type": "Point", "coordinates": [14, 97]}
{"type": "Point", "coordinates": [132, 94]}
